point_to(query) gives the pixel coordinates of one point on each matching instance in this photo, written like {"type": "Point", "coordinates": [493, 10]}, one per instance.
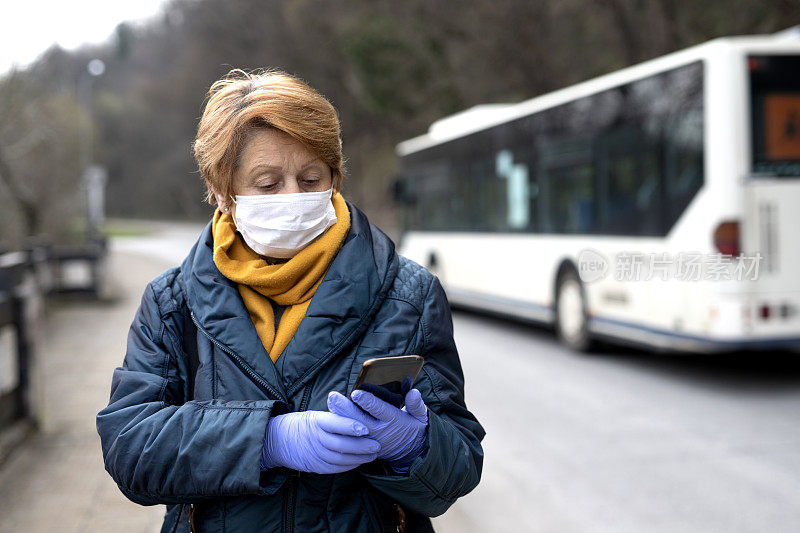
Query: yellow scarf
{"type": "Point", "coordinates": [291, 284]}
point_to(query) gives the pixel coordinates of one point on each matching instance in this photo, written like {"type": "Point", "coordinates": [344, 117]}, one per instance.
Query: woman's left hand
{"type": "Point", "coordinates": [401, 432]}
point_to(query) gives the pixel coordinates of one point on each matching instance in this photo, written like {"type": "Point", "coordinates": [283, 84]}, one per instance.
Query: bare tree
{"type": "Point", "coordinates": [38, 158]}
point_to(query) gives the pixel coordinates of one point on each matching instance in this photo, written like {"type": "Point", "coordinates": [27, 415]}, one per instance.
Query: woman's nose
{"type": "Point", "coordinates": [292, 185]}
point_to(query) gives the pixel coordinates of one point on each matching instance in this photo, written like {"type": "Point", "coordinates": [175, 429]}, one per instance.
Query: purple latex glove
{"type": "Point", "coordinates": [402, 433]}
{"type": "Point", "coordinates": [317, 441]}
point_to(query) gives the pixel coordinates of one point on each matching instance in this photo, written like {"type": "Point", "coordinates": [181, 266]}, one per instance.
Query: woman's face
{"type": "Point", "coordinates": [273, 162]}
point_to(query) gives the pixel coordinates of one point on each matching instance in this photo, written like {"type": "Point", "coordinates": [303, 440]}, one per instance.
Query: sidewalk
{"type": "Point", "coordinates": [56, 481]}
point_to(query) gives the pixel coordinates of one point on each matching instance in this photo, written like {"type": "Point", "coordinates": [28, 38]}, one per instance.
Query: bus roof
{"type": "Point", "coordinates": [485, 116]}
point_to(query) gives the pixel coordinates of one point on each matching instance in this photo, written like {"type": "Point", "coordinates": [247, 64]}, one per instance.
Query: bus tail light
{"type": "Point", "coordinates": [726, 238]}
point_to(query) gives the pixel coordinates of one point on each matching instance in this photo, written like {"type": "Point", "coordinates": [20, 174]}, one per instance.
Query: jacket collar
{"type": "Point", "coordinates": [342, 307]}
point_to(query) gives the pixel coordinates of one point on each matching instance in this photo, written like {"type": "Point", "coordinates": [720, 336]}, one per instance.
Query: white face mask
{"type": "Point", "coordinates": [280, 225]}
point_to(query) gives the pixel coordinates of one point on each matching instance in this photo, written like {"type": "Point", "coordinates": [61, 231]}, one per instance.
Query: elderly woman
{"type": "Point", "coordinates": [231, 406]}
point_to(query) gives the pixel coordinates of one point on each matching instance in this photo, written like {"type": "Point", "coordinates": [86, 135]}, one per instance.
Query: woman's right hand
{"type": "Point", "coordinates": [317, 441]}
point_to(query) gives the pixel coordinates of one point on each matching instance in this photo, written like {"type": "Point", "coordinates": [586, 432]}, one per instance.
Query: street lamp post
{"type": "Point", "coordinates": [93, 176]}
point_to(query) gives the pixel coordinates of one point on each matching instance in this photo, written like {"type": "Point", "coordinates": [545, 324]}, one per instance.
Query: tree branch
{"type": "Point", "coordinates": [25, 204]}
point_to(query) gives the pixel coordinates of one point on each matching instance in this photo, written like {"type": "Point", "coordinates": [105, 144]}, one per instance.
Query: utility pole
{"type": "Point", "coordinates": [93, 176]}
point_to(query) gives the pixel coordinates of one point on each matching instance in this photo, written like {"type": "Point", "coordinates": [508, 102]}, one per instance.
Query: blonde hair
{"type": "Point", "coordinates": [242, 102]}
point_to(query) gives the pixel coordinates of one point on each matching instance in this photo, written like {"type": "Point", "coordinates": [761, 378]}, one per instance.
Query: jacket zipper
{"type": "Point", "coordinates": [266, 387]}
{"type": "Point", "coordinates": [306, 398]}
{"type": "Point", "coordinates": [244, 367]}
{"type": "Point", "coordinates": [294, 479]}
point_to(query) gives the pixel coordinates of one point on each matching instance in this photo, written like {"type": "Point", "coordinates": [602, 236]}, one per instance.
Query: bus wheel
{"type": "Point", "coordinates": [571, 321]}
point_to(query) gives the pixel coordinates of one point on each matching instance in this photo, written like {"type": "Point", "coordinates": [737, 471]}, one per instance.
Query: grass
{"type": "Point", "coordinates": [121, 229]}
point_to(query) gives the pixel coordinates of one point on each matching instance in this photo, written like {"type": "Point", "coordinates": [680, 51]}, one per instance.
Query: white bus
{"type": "Point", "coordinates": [585, 208]}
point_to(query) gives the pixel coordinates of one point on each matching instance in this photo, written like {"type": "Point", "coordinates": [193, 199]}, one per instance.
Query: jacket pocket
{"type": "Point", "coordinates": [381, 511]}
{"type": "Point", "coordinates": [176, 519]}
{"type": "Point", "coordinates": [209, 517]}
{"type": "Point", "coordinates": [373, 514]}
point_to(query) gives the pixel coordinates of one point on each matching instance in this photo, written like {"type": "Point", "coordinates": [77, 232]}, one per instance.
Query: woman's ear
{"type": "Point", "coordinates": [221, 203]}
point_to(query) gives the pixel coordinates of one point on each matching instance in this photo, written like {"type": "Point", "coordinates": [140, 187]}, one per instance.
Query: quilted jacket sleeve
{"type": "Point", "coordinates": [450, 466]}
{"type": "Point", "coordinates": [161, 450]}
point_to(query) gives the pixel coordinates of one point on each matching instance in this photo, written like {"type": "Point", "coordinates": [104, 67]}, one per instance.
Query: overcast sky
{"type": "Point", "coordinates": [28, 28]}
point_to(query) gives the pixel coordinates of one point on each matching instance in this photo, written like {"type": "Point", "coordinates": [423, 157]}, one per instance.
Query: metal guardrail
{"type": "Point", "coordinates": [25, 278]}
{"type": "Point", "coordinates": [65, 260]}
{"type": "Point", "coordinates": [16, 292]}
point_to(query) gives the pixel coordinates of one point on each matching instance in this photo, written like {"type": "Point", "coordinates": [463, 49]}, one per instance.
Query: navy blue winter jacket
{"type": "Point", "coordinates": [163, 447]}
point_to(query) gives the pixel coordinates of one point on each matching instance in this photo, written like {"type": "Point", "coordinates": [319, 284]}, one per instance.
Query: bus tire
{"type": "Point", "coordinates": [571, 318]}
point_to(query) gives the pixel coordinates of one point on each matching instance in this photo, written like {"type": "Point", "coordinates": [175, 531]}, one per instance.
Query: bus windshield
{"type": "Point", "coordinates": [775, 108]}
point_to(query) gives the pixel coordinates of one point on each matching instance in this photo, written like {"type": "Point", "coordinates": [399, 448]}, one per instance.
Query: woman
{"type": "Point", "coordinates": [286, 293]}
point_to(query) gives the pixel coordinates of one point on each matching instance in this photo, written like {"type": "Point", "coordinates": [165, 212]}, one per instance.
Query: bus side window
{"type": "Point", "coordinates": [567, 180]}
{"type": "Point", "coordinates": [518, 195]}
{"type": "Point", "coordinates": [683, 165]}
{"type": "Point", "coordinates": [633, 182]}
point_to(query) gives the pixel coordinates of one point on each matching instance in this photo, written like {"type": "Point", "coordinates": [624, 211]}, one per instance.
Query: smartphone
{"type": "Point", "coordinates": [389, 378]}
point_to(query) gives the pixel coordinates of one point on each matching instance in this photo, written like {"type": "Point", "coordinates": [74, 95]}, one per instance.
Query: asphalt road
{"type": "Point", "coordinates": [627, 441]}
{"type": "Point", "coordinates": [616, 441]}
